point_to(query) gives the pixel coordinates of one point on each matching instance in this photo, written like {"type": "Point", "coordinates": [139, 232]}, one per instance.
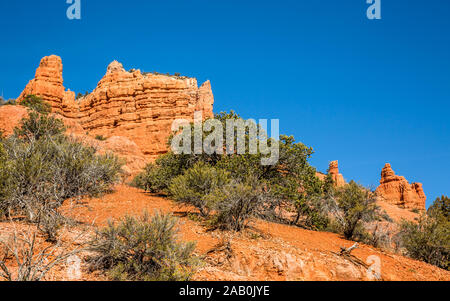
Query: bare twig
{"type": "Point", "coordinates": [347, 251]}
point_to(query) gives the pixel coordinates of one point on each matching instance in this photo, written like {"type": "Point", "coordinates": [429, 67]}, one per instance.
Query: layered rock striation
{"type": "Point", "coordinates": [139, 107]}
{"type": "Point", "coordinates": [396, 190]}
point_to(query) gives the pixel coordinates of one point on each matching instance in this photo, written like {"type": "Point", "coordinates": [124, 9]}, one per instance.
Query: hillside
{"type": "Point", "coordinates": [266, 251]}
{"type": "Point", "coordinates": [130, 114]}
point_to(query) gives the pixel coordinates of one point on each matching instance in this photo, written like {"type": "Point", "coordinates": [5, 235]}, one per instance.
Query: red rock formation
{"type": "Point", "coordinates": [321, 176]}
{"type": "Point", "coordinates": [48, 83]}
{"type": "Point", "coordinates": [134, 159]}
{"type": "Point", "coordinates": [338, 178]}
{"type": "Point", "coordinates": [333, 170]}
{"type": "Point", "coordinates": [127, 104]}
{"type": "Point", "coordinates": [397, 191]}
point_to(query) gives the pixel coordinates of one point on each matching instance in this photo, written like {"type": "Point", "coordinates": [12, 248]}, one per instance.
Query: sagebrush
{"type": "Point", "coordinates": [143, 249]}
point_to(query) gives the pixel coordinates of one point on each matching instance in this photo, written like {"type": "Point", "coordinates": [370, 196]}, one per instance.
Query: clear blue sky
{"type": "Point", "coordinates": [358, 91]}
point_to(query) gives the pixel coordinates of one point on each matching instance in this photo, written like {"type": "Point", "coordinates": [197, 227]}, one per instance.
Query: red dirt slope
{"type": "Point", "coordinates": [267, 251]}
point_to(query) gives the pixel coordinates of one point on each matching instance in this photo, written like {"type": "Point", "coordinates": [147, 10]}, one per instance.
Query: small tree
{"type": "Point", "coordinates": [38, 125]}
{"type": "Point", "coordinates": [440, 207]}
{"type": "Point", "coordinates": [234, 204]}
{"type": "Point", "coordinates": [196, 184]}
{"type": "Point", "coordinates": [157, 176]}
{"type": "Point", "coordinates": [36, 103]}
{"type": "Point", "coordinates": [100, 138]}
{"type": "Point", "coordinates": [357, 206]}
{"type": "Point", "coordinates": [4, 102]}
{"type": "Point", "coordinates": [44, 168]}
{"type": "Point", "coordinates": [429, 238]}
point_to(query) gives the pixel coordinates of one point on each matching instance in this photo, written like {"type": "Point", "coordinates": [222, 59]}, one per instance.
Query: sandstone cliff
{"type": "Point", "coordinates": [135, 112]}
{"type": "Point", "coordinates": [397, 191]}
{"type": "Point", "coordinates": [139, 107]}
{"type": "Point", "coordinates": [134, 159]}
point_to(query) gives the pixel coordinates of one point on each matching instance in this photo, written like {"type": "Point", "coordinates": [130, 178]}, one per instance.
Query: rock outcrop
{"type": "Point", "coordinates": [48, 83]}
{"type": "Point", "coordinates": [397, 191]}
{"type": "Point", "coordinates": [133, 158]}
{"type": "Point", "coordinates": [10, 117]}
{"type": "Point", "coordinates": [139, 107]}
{"type": "Point", "coordinates": [333, 170]}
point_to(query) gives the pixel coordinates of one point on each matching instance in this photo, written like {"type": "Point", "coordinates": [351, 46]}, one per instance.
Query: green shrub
{"type": "Point", "coordinates": [4, 102]}
{"type": "Point", "coordinates": [196, 184]}
{"type": "Point", "coordinates": [440, 207]}
{"type": "Point", "coordinates": [5, 169]}
{"type": "Point", "coordinates": [37, 125]}
{"type": "Point", "coordinates": [139, 181]}
{"type": "Point", "coordinates": [357, 206]}
{"type": "Point", "coordinates": [314, 217]}
{"type": "Point", "coordinates": [157, 176]}
{"type": "Point", "coordinates": [100, 138]}
{"type": "Point", "coordinates": [81, 95]}
{"type": "Point", "coordinates": [234, 204]}
{"type": "Point", "coordinates": [36, 103]}
{"type": "Point", "coordinates": [49, 171]}
{"type": "Point", "coordinates": [45, 168]}
{"type": "Point", "coordinates": [291, 182]}
{"type": "Point", "coordinates": [144, 249]}
{"type": "Point", "coordinates": [428, 240]}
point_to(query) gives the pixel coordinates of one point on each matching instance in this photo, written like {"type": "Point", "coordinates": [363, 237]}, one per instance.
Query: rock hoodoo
{"type": "Point", "coordinates": [333, 170]}
{"type": "Point", "coordinates": [48, 83]}
{"type": "Point", "coordinates": [139, 107]}
{"type": "Point", "coordinates": [397, 191]}
{"type": "Point", "coordinates": [338, 178]}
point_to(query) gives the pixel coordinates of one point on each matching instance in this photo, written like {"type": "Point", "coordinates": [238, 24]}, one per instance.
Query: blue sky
{"type": "Point", "coordinates": [364, 92]}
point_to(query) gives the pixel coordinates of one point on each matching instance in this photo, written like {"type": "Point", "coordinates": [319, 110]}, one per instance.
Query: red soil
{"type": "Point", "coordinates": [266, 251]}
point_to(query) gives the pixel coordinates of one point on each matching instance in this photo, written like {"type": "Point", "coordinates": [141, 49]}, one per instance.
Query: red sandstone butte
{"type": "Point", "coordinates": [397, 191]}
{"type": "Point", "coordinates": [139, 107]}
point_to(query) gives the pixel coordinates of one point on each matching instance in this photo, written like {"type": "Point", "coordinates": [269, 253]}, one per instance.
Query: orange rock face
{"type": "Point", "coordinates": [338, 178]}
{"type": "Point", "coordinates": [138, 107]}
{"type": "Point", "coordinates": [333, 170]}
{"type": "Point", "coordinates": [48, 83]}
{"type": "Point", "coordinates": [10, 117]}
{"type": "Point", "coordinates": [133, 158]}
{"type": "Point", "coordinates": [397, 191]}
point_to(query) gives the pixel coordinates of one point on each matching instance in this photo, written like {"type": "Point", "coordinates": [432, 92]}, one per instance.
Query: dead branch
{"type": "Point", "coordinates": [347, 251]}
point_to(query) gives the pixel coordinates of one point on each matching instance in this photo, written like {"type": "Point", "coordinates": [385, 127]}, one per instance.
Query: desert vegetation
{"type": "Point", "coordinates": [40, 168]}
{"type": "Point", "coordinates": [143, 249]}
{"type": "Point", "coordinates": [429, 238]}
{"type": "Point", "coordinates": [229, 191]}
{"type": "Point", "coordinates": [7, 102]}
{"type": "Point", "coordinates": [43, 167]}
